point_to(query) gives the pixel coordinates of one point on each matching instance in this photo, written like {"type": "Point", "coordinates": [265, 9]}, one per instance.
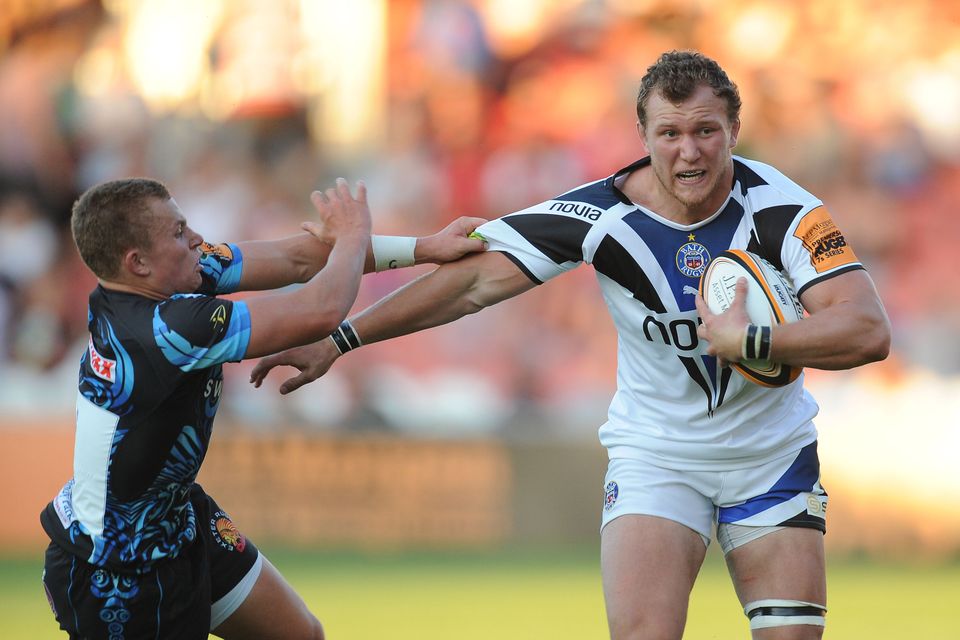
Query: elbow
{"type": "Point", "coordinates": [304, 272]}
{"type": "Point", "coordinates": [325, 323]}
{"type": "Point", "coordinates": [881, 349]}
{"type": "Point", "coordinates": [474, 301]}
{"type": "Point", "coordinates": [875, 343]}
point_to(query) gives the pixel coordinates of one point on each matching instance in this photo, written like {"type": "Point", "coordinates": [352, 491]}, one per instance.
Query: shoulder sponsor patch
{"type": "Point", "coordinates": [221, 251]}
{"type": "Point", "coordinates": [580, 209]}
{"type": "Point", "coordinates": [825, 242]}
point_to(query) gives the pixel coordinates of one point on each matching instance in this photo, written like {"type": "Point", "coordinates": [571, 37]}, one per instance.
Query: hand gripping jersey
{"type": "Point", "coordinates": [150, 382]}
{"type": "Point", "coordinates": [673, 405]}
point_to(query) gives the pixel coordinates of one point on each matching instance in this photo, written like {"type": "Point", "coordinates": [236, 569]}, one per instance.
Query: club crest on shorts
{"type": "Point", "coordinates": [612, 491]}
{"type": "Point", "coordinates": [226, 533]}
{"type": "Point", "coordinates": [692, 258]}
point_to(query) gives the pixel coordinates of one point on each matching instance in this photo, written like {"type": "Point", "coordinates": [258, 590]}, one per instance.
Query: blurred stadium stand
{"type": "Point", "coordinates": [454, 107]}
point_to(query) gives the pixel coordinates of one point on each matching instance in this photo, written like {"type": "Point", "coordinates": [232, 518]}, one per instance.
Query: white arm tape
{"type": "Point", "coordinates": [392, 252]}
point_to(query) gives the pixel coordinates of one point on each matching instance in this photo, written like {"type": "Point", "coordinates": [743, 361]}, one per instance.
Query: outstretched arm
{"type": "Point", "coordinates": [292, 318]}
{"type": "Point", "coordinates": [444, 295]}
{"type": "Point", "coordinates": [271, 264]}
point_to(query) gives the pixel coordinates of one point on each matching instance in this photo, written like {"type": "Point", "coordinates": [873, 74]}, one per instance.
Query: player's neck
{"type": "Point", "coordinates": [643, 188]}
{"type": "Point", "coordinates": [140, 289]}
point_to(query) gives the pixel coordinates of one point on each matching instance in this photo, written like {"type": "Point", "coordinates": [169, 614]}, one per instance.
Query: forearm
{"type": "Point", "coordinates": [271, 264]}
{"type": "Point", "coordinates": [431, 300]}
{"type": "Point", "coordinates": [842, 336]}
{"type": "Point", "coordinates": [310, 312]}
{"type": "Point", "coordinates": [449, 292]}
{"type": "Point", "coordinates": [338, 283]}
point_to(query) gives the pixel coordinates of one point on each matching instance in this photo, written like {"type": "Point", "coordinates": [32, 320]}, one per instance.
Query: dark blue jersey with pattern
{"type": "Point", "coordinates": [149, 387]}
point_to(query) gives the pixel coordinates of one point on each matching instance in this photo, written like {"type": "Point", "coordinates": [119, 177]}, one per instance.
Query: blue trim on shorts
{"type": "Point", "coordinates": [801, 477]}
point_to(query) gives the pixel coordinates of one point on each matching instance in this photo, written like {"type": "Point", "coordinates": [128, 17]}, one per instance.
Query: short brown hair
{"type": "Point", "coordinates": [677, 74]}
{"type": "Point", "coordinates": [112, 217]}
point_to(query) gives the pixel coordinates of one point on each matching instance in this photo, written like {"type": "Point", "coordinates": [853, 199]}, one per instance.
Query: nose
{"type": "Point", "coordinates": [689, 149]}
{"type": "Point", "coordinates": [195, 239]}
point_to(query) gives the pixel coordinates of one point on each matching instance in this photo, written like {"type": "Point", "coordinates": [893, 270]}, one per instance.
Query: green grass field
{"type": "Point", "coordinates": [533, 595]}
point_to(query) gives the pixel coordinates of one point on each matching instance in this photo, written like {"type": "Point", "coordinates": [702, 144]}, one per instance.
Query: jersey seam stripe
{"type": "Point", "coordinates": [832, 274]}
{"type": "Point", "coordinates": [522, 267]}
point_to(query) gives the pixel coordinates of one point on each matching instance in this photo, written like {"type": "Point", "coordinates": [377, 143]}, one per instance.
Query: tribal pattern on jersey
{"type": "Point", "coordinates": [149, 388]}
{"type": "Point", "coordinates": [674, 404]}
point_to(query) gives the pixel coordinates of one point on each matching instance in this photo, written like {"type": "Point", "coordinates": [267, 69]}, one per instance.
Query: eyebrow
{"type": "Point", "coordinates": [675, 124]}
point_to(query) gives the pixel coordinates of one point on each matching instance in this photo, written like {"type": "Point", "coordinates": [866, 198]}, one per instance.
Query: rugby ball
{"type": "Point", "coordinates": [770, 301]}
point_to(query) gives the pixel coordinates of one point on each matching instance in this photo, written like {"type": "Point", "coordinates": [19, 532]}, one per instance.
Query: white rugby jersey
{"type": "Point", "coordinates": [673, 405]}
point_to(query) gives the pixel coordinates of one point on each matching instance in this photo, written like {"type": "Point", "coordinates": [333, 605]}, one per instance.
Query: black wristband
{"type": "Point", "coordinates": [750, 342]}
{"type": "Point", "coordinates": [345, 338]}
{"type": "Point", "coordinates": [348, 332]}
{"type": "Point", "coordinates": [340, 342]}
{"type": "Point", "coordinates": [763, 353]}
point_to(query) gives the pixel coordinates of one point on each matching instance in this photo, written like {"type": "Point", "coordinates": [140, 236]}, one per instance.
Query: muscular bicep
{"type": "Point", "coordinates": [853, 287]}
{"type": "Point", "coordinates": [847, 325]}
{"type": "Point", "coordinates": [499, 278]}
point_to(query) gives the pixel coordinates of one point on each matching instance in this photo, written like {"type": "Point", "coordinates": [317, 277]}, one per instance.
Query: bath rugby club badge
{"type": "Point", "coordinates": [692, 258]}
{"type": "Point", "coordinates": [612, 491]}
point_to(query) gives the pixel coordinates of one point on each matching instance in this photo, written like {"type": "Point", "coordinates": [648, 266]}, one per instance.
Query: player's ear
{"type": "Point", "coordinates": [135, 262]}
{"type": "Point", "coordinates": [734, 132]}
{"type": "Point", "coordinates": [643, 139]}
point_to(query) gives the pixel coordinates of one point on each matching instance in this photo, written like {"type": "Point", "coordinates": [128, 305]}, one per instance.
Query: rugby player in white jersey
{"type": "Point", "coordinates": [694, 448]}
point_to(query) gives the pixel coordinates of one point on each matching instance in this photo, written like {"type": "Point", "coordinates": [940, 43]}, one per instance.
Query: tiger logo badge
{"type": "Point", "coordinates": [226, 533]}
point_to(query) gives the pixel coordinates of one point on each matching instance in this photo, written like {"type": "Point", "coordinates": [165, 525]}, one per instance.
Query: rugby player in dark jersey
{"type": "Point", "coordinates": [138, 550]}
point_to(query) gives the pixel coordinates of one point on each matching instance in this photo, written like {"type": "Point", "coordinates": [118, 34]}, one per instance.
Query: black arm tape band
{"type": "Point", "coordinates": [750, 342]}
{"type": "Point", "coordinates": [763, 353]}
{"type": "Point", "coordinates": [340, 342]}
{"type": "Point", "coordinates": [350, 334]}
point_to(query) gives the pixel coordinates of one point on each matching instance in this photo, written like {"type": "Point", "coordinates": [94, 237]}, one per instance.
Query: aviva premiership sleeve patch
{"type": "Point", "coordinates": [825, 242]}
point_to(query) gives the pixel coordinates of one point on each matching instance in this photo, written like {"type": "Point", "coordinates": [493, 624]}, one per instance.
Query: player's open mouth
{"type": "Point", "coordinates": [690, 176]}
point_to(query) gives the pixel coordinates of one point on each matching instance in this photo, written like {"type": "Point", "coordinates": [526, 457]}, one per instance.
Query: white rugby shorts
{"type": "Point", "coordinates": [785, 492]}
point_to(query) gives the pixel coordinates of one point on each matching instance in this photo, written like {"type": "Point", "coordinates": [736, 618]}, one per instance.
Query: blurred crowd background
{"type": "Point", "coordinates": [483, 430]}
{"type": "Point", "coordinates": [465, 107]}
